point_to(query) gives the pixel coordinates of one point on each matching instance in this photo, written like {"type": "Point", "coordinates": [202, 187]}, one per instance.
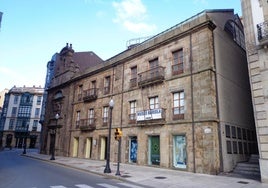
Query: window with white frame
{"type": "Point", "coordinates": [153, 102]}
{"type": "Point", "coordinates": [178, 105]}
{"type": "Point", "coordinates": [16, 99]}
{"type": "Point", "coordinates": [91, 116]}
{"type": "Point", "coordinates": [35, 124]}
{"type": "Point", "coordinates": [39, 99]}
{"type": "Point", "coordinates": [37, 112]}
{"type": "Point", "coordinates": [77, 119]}
{"type": "Point", "coordinates": [132, 115]}
{"type": "Point", "coordinates": [105, 114]}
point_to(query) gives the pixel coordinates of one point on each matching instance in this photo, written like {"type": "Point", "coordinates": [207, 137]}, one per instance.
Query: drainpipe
{"type": "Point", "coordinates": [122, 95]}
{"type": "Point", "coordinates": [192, 102]}
{"type": "Point", "coordinates": [217, 106]}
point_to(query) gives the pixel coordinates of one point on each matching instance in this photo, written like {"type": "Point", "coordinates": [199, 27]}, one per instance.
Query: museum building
{"type": "Point", "coordinates": [181, 98]}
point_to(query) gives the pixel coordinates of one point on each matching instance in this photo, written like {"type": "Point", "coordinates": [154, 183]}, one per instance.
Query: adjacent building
{"type": "Point", "coordinates": [255, 20]}
{"type": "Point", "coordinates": [61, 66]}
{"type": "Point", "coordinates": [181, 98]}
{"type": "Point", "coordinates": [19, 121]}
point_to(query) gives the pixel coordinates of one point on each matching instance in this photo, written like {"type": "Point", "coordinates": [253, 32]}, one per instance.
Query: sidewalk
{"type": "Point", "coordinates": [152, 176]}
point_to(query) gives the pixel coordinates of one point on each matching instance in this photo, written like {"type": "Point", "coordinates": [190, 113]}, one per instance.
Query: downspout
{"type": "Point", "coordinates": [70, 131]}
{"type": "Point", "coordinates": [192, 102]}
{"type": "Point", "coordinates": [217, 105]}
{"type": "Point", "coordinates": [122, 95]}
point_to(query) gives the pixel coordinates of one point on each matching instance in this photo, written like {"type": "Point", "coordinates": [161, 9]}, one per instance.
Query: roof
{"type": "Point", "coordinates": [86, 59]}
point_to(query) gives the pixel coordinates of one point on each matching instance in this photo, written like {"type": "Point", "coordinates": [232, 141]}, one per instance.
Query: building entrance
{"type": "Point", "coordinates": [154, 150]}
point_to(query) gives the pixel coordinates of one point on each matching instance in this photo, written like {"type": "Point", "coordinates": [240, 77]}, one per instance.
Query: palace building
{"type": "Point", "coordinates": [181, 99]}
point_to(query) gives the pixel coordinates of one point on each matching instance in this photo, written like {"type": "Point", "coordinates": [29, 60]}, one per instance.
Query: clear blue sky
{"type": "Point", "coordinates": [33, 30]}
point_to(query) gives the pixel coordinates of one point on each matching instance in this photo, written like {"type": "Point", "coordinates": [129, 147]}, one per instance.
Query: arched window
{"type": "Point", "coordinates": [58, 95]}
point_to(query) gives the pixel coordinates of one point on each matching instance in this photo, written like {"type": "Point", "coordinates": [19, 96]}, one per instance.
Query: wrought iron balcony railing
{"type": "Point", "coordinates": [133, 82]}
{"type": "Point", "coordinates": [151, 76]}
{"type": "Point", "coordinates": [132, 118]}
{"type": "Point", "coordinates": [177, 69]}
{"type": "Point", "coordinates": [262, 29]}
{"type": "Point", "coordinates": [87, 124]}
{"type": "Point", "coordinates": [90, 95]}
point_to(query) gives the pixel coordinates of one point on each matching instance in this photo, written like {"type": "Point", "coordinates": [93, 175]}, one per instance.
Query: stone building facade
{"type": "Point", "coordinates": [19, 121]}
{"type": "Point", "coordinates": [255, 14]}
{"type": "Point", "coordinates": [181, 98]}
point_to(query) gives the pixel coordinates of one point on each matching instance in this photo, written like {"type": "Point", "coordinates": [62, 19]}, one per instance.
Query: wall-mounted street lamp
{"type": "Point", "coordinates": [53, 137]}
{"type": "Point", "coordinates": [107, 167]}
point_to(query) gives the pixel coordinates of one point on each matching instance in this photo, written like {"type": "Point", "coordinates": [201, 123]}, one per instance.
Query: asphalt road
{"type": "Point", "coordinates": [17, 171]}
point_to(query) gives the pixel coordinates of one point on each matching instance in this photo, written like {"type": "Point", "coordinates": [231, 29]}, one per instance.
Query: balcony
{"type": "Point", "coordinates": [177, 69]}
{"type": "Point", "coordinates": [79, 97]}
{"type": "Point", "coordinates": [87, 124]}
{"type": "Point", "coordinates": [152, 116]}
{"type": "Point", "coordinates": [133, 82]}
{"type": "Point", "coordinates": [150, 77]}
{"type": "Point", "coordinates": [90, 95]}
{"type": "Point", "coordinates": [132, 118]}
{"type": "Point", "coordinates": [21, 129]}
{"type": "Point", "coordinates": [262, 29]}
{"type": "Point", "coordinates": [105, 121]}
{"type": "Point", "coordinates": [106, 90]}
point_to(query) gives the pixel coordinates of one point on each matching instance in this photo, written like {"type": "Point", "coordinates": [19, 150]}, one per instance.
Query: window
{"type": "Point", "coordinates": [177, 67]}
{"type": "Point", "coordinates": [227, 131]}
{"type": "Point", "coordinates": [133, 80]}
{"type": "Point", "coordinates": [80, 91]}
{"type": "Point", "coordinates": [24, 111]}
{"type": "Point", "coordinates": [240, 148]}
{"type": "Point", "coordinates": [35, 124]}
{"type": "Point", "coordinates": [178, 105]}
{"type": "Point", "coordinates": [153, 63]}
{"type": "Point", "coordinates": [132, 115]}
{"type": "Point", "coordinates": [154, 71]}
{"type": "Point", "coordinates": [233, 132]}
{"type": "Point", "coordinates": [153, 102]}
{"type": "Point", "coordinates": [107, 83]}
{"type": "Point", "coordinates": [235, 147]}
{"type": "Point", "coordinates": [26, 98]}
{"type": "Point", "coordinates": [93, 84]}
{"type": "Point", "coordinates": [37, 111]}
{"type": "Point", "coordinates": [77, 122]}
{"type": "Point", "coordinates": [39, 98]}
{"type": "Point", "coordinates": [91, 116]}
{"type": "Point", "coordinates": [244, 134]}
{"type": "Point", "coordinates": [58, 95]}
{"type": "Point", "coordinates": [237, 34]}
{"type": "Point", "coordinates": [14, 111]}
{"type": "Point", "coordinates": [16, 99]}
{"type": "Point", "coordinates": [229, 147]}
{"type": "Point", "coordinates": [11, 124]}
{"type": "Point", "coordinates": [239, 134]}
{"type": "Point", "coordinates": [105, 115]}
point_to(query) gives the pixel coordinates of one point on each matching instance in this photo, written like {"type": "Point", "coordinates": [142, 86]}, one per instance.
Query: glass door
{"type": "Point", "coordinates": [133, 148]}
{"type": "Point", "coordinates": [179, 152]}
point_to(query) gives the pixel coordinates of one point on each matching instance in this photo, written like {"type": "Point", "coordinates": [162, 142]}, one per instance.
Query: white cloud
{"type": "Point", "coordinates": [132, 14]}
